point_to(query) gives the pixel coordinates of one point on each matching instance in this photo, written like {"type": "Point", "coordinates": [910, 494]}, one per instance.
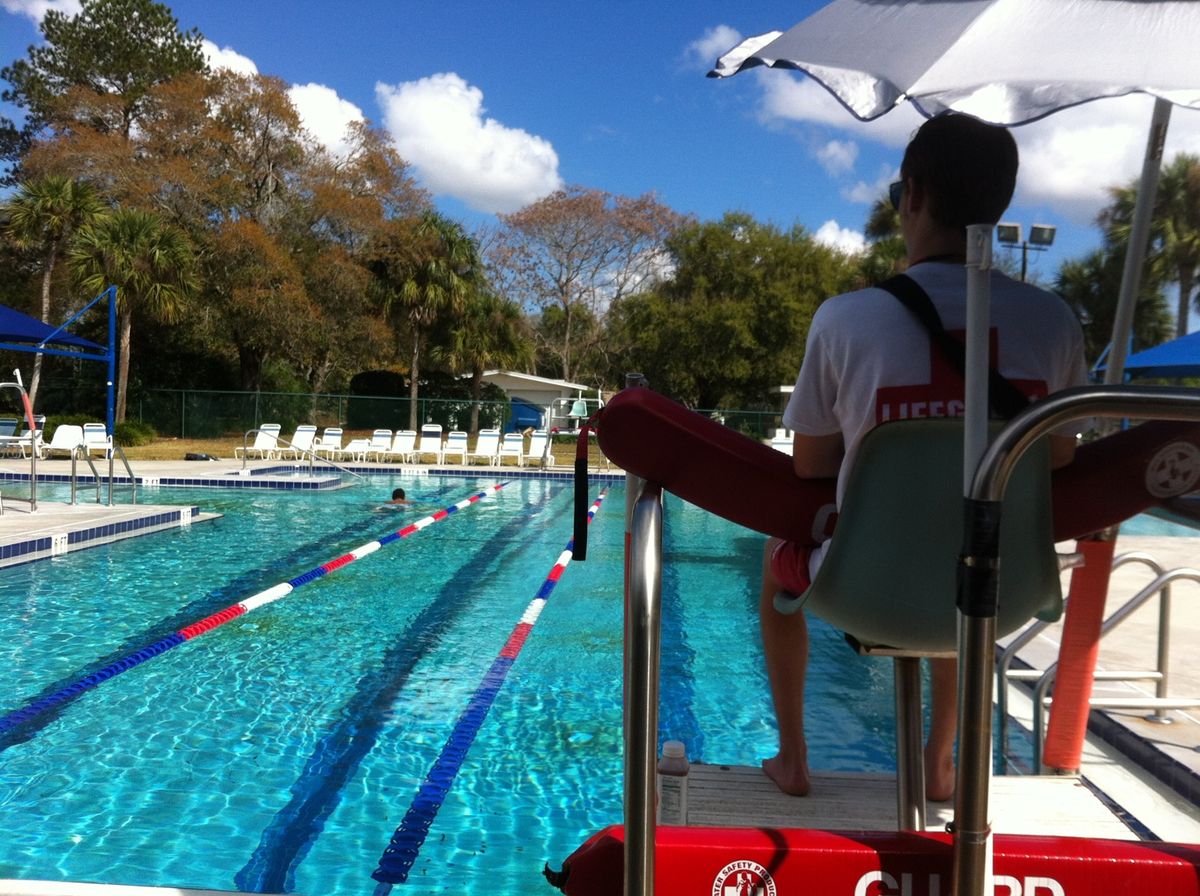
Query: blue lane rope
{"type": "Point", "coordinates": [401, 853]}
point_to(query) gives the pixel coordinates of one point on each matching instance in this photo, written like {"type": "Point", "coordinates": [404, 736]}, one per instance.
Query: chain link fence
{"type": "Point", "coordinates": [203, 414]}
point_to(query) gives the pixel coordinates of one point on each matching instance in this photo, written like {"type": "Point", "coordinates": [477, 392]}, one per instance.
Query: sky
{"type": "Point", "coordinates": [497, 104]}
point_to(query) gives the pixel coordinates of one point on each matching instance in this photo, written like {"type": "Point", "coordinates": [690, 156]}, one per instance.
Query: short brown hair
{"type": "Point", "coordinates": [968, 168]}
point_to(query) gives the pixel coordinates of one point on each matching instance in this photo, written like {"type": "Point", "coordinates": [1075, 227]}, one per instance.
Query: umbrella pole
{"type": "Point", "coordinates": [976, 638]}
{"type": "Point", "coordinates": [1135, 252]}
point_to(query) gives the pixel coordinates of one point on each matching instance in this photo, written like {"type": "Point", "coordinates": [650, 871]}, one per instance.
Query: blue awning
{"type": "Point", "coordinates": [1177, 358]}
{"type": "Point", "coordinates": [21, 328]}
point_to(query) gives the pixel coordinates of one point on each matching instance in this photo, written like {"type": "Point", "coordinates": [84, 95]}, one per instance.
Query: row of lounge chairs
{"type": "Point", "coordinates": [69, 439]}
{"type": "Point", "coordinates": [405, 446]}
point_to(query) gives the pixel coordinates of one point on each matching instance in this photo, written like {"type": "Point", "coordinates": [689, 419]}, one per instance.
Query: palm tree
{"type": "Point", "coordinates": [1174, 252]}
{"type": "Point", "coordinates": [886, 254]}
{"type": "Point", "coordinates": [491, 332]}
{"type": "Point", "coordinates": [437, 279]}
{"type": "Point", "coordinates": [150, 263]}
{"type": "Point", "coordinates": [43, 216]}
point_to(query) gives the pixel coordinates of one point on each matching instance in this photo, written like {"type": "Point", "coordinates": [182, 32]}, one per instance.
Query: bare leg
{"type": "Point", "coordinates": [785, 644]}
{"type": "Point", "coordinates": [939, 749]}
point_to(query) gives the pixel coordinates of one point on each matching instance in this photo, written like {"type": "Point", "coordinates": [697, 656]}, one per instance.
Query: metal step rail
{"type": "Point", "coordinates": [33, 449]}
{"type": "Point", "coordinates": [1161, 702]}
{"type": "Point", "coordinates": [1005, 657]}
{"type": "Point", "coordinates": [114, 452]}
{"type": "Point", "coordinates": [304, 452]}
{"type": "Point", "coordinates": [81, 452]}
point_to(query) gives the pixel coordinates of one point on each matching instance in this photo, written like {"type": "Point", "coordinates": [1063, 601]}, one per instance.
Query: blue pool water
{"type": "Point", "coordinates": [281, 750]}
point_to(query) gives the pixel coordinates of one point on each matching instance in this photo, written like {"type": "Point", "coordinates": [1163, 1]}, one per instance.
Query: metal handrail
{"type": "Point", "coordinates": [81, 451]}
{"type": "Point", "coordinates": [1005, 657]}
{"type": "Point", "coordinates": [977, 631]}
{"type": "Point", "coordinates": [33, 445]}
{"type": "Point", "coordinates": [116, 450]}
{"type": "Point", "coordinates": [1160, 703]}
{"type": "Point", "coordinates": [310, 453]}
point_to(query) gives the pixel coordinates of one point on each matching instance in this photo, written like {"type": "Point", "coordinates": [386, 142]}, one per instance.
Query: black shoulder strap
{"type": "Point", "coordinates": [1002, 394]}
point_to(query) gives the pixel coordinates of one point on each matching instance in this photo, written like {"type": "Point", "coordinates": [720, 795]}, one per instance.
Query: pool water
{"type": "Point", "coordinates": [280, 751]}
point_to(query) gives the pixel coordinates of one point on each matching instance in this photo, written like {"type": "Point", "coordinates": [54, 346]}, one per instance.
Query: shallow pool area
{"type": "Point", "coordinates": [280, 751]}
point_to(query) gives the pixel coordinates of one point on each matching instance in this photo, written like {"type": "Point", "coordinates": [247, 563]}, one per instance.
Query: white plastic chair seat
{"type": "Point", "coordinates": [266, 442]}
{"type": "Point", "coordinates": [96, 439]}
{"type": "Point", "coordinates": [67, 439]}
{"type": "Point", "coordinates": [329, 443]}
{"type": "Point", "coordinates": [356, 449]}
{"type": "Point", "coordinates": [403, 446]}
{"type": "Point", "coordinates": [539, 449]}
{"type": "Point", "coordinates": [301, 442]}
{"type": "Point", "coordinates": [430, 444]}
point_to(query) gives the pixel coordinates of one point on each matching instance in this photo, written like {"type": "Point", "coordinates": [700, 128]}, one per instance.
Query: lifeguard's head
{"type": "Point", "coordinates": [966, 167]}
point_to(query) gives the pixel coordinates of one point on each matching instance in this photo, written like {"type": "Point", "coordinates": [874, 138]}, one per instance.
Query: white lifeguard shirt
{"type": "Point", "coordinates": [869, 359]}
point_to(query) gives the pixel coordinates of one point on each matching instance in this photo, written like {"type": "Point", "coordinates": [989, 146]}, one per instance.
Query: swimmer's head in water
{"type": "Point", "coordinates": [398, 494]}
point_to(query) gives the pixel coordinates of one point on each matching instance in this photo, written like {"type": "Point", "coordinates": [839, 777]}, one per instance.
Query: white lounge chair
{"type": "Point", "coordinates": [539, 448]}
{"type": "Point", "coordinates": [68, 439]}
{"type": "Point", "coordinates": [329, 443]}
{"type": "Point", "coordinates": [487, 446]}
{"type": "Point", "coordinates": [381, 443]}
{"type": "Point", "coordinates": [27, 441]}
{"type": "Point", "coordinates": [781, 441]}
{"type": "Point", "coordinates": [403, 445]}
{"type": "Point", "coordinates": [356, 449]}
{"type": "Point", "coordinates": [301, 442]}
{"type": "Point", "coordinates": [97, 440]}
{"type": "Point", "coordinates": [456, 445]}
{"type": "Point", "coordinates": [512, 446]}
{"type": "Point", "coordinates": [266, 442]}
{"type": "Point", "coordinates": [430, 443]}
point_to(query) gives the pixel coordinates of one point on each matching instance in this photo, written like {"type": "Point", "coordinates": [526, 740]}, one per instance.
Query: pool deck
{"type": "Point", "coordinates": [1150, 769]}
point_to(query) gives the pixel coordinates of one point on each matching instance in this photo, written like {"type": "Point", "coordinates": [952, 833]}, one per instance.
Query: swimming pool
{"type": "Point", "coordinates": [281, 750]}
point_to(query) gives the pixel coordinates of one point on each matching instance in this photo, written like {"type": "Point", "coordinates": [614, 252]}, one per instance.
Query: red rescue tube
{"type": "Point", "coordinates": [752, 484]}
{"type": "Point", "coordinates": [792, 860]}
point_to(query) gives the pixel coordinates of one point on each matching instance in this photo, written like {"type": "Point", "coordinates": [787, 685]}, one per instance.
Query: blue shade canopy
{"type": "Point", "coordinates": [21, 328]}
{"type": "Point", "coordinates": [1177, 358]}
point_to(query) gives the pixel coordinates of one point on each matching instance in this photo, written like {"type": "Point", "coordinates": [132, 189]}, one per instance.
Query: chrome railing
{"type": "Point", "coordinates": [309, 452]}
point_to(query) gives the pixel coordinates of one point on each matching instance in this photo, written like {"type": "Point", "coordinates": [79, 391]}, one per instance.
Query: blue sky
{"type": "Point", "coordinates": [496, 104]}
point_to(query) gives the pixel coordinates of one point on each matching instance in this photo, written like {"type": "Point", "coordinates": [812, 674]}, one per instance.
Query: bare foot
{"type": "Point", "coordinates": [790, 777]}
{"type": "Point", "coordinates": [939, 779]}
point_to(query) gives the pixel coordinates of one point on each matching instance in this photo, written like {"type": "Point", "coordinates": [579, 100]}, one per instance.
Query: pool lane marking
{"type": "Point", "coordinates": [270, 595]}
{"type": "Point", "coordinates": [400, 854]}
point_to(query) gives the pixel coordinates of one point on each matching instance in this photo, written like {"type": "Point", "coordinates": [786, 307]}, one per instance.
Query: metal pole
{"type": "Point", "coordinates": [1135, 252]}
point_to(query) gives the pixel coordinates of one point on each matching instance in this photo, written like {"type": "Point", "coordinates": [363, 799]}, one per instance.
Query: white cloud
{"type": "Point", "coordinates": [837, 237]}
{"type": "Point", "coordinates": [438, 125]}
{"type": "Point", "coordinates": [226, 57]}
{"type": "Point", "coordinates": [789, 97]}
{"type": "Point", "coordinates": [36, 9]}
{"type": "Point", "coordinates": [866, 192]}
{"type": "Point", "coordinates": [705, 52]}
{"type": "Point", "coordinates": [838, 156]}
{"type": "Point", "coordinates": [325, 115]}
{"type": "Point", "coordinates": [1069, 159]}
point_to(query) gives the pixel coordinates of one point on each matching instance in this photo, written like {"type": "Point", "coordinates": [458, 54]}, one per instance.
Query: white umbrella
{"type": "Point", "coordinates": [1008, 62]}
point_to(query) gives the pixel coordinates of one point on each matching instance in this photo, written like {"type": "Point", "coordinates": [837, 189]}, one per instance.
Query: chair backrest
{"type": "Point", "coordinates": [487, 443]}
{"type": "Point", "coordinates": [94, 434]}
{"type": "Point", "coordinates": [303, 437]}
{"type": "Point", "coordinates": [67, 436]}
{"type": "Point", "coordinates": [537, 443]}
{"type": "Point", "coordinates": [8, 426]}
{"type": "Point", "coordinates": [889, 573]}
{"type": "Point", "coordinates": [431, 437]}
{"type": "Point", "coordinates": [514, 443]}
{"type": "Point", "coordinates": [381, 438]}
{"type": "Point", "coordinates": [456, 439]}
{"type": "Point", "coordinates": [332, 435]}
{"type": "Point", "coordinates": [266, 437]}
{"type": "Point", "coordinates": [405, 441]}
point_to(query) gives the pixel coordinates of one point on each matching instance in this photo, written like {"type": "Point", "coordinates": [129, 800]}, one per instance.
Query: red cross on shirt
{"type": "Point", "coordinates": [942, 396]}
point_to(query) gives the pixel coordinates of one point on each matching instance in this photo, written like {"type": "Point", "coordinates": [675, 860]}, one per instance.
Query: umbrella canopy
{"type": "Point", "coordinates": [21, 328]}
{"type": "Point", "coordinates": [1005, 61]}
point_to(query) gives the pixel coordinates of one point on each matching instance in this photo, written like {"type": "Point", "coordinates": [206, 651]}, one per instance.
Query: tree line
{"type": "Point", "coordinates": [247, 255]}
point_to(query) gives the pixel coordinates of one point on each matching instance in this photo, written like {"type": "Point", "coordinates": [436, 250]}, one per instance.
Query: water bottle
{"type": "Point", "coordinates": [672, 784]}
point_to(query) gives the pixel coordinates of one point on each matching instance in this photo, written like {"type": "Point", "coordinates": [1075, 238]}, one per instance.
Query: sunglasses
{"type": "Point", "coordinates": [895, 191]}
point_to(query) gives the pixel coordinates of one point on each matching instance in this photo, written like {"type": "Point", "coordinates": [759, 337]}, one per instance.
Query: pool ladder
{"type": "Point", "coordinates": [81, 450]}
